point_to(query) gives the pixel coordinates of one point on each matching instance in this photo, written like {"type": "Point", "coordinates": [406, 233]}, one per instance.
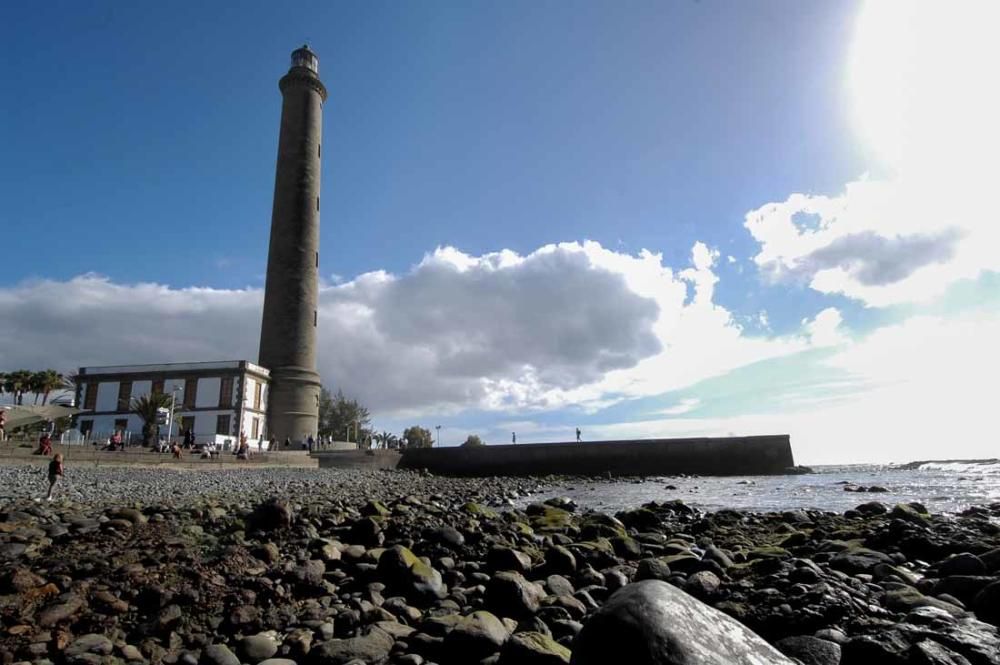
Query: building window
{"type": "Point", "coordinates": [257, 386]}
{"type": "Point", "coordinates": [157, 387]}
{"type": "Point", "coordinates": [190, 393]}
{"type": "Point", "coordinates": [319, 149]}
{"type": "Point", "coordinates": [187, 424]}
{"type": "Point", "coordinates": [86, 427]}
{"type": "Point", "coordinates": [226, 392]}
{"type": "Point", "coordinates": [317, 259]}
{"type": "Point", "coordinates": [254, 427]}
{"type": "Point", "coordinates": [222, 425]}
{"type": "Point", "coordinates": [90, 398]}
{"type": "Point", "coordinates": [317, 204]}
{"type": "Point", "coordinates": [124, 395]}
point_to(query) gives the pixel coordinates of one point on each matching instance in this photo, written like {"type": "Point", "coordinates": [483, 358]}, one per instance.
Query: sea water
{"type": "Point", "coordinates": [941, 487]}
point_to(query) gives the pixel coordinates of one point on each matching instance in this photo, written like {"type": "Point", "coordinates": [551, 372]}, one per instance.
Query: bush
{"type": "Point", "coordinates": [473, 442]}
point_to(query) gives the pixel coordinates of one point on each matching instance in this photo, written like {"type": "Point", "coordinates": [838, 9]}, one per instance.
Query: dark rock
{"type": "Point", "coordinates": [653, 623]}
{"type": "Point", "coordinates": [89, 644]}
{"type": "Point", "coordinates": [986, 604]}
{"type": "Point", "coordinates": [560, 560]}
{"type": "Point", "coordinates": [884, 648]}
{"type": "Point", "coordinates": [703, 585]}
{"type": "Point", "coordinates": [872, 508]}
{"type": "Point", "coordinates": [476, 636]}
{"type": "Point", "coordinates": [858, 560]}
{"type": "Point", "coordinates": [372, 649]}
{"type": "Point", "coordinates": [66, 607]}
{"type": "Point", "coordinates": [367, 532]}
{"type": "Point", "coordinates": [218, 654]}
{"type": "Point", "coordinates": [508, 594]}
{"type": "Point", "coordinates": [272, 514]}
{"type": "Point", "coordinates": [652, 569]}
{"type": "Point", "coordinates": [961, 564]}
{"type": "Point", "coordinates": [531, 648]}
{"type": "Point", "coordinates": [255, 648]}
{"type": "Point", "coordinates": [810, 650]}
{"type": "Point", "coordinates": [405, 573]}
{"type": "Point", "coordinates": [506, 558]}
{"type": "Point", "coordinates": [929, 652]}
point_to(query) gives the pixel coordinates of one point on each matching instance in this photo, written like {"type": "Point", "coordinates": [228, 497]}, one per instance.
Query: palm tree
{"type": "Point", "coordinates": [45, 382]}
{"type": "Point", "coordinates": [147, 407]}
{"type": "Point", "coordinates": [17, 383]}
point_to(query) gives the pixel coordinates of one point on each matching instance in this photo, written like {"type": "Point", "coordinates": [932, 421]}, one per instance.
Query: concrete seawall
{"type": "Point", "coordinates": [729, 456]}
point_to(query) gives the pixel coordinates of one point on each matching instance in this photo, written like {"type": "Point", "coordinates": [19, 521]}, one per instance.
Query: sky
{"type": "Point", "coordinates": [641, 219]}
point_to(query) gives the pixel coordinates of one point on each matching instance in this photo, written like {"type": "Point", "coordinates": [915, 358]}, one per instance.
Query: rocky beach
{"type": "Point", "coordinates": [327, 567]}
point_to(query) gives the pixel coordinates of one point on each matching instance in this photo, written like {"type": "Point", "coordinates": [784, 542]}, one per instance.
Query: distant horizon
{"type": "Point", "coordinates": [657, 221]}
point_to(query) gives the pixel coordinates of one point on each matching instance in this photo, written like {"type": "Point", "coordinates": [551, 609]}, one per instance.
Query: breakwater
{"type": "Point", "coordinates": [723, 456]}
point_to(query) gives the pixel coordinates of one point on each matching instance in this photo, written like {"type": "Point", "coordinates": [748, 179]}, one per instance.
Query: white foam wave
{"type": "Point", "coordinates": [986, 467]}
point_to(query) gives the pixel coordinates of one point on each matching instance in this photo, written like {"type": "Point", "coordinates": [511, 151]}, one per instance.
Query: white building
{"type": "Point", "coordinates": [216, 400]}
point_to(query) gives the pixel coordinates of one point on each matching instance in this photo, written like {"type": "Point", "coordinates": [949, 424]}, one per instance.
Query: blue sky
{"type": "Point", "coordinates": [493, 173]}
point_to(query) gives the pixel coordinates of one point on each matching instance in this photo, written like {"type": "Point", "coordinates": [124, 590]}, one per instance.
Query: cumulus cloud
{"type": "Point", "coordinates": [573, 324]}
{"type": "Point", "coordinates": [880, 242]}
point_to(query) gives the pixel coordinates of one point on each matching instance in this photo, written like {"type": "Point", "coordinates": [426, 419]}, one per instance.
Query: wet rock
{"type": "Point", "coordinates": [532, 648]}
{"type": "Point", "coordinates": [66, 607]}
{"type": "Point", "coordinates": [372, 648]}
{"type": "Point", "coordinates": [274, 513]}
{"type": "Point", "coordinates": [930, 652]}
{"type": "Point", "coordinates": [255, 648]}
{"type": "Point", "coordinates": [987, 604]}
{"type": "Point", "coordinates": [961, 564]}
{"type": "Point", "coordinates": [703, 585]}
{"type": "Point", "coordinates": [406, 573]}
{"type": "Point", "coordinates": [506, 558]}
{"type": "Point", "coordinates": [218, 654]}
{"type": "Point", "coordinates": [476, 636]}
{"type": "Point", "coordinates": [810, 650]}
{"type": "Point", "coordinates": [89, 644]}
{"type": "Point", "coordinates": [651, 622]}
{"type": "Point", "coordinates": [509, 594]}
{"type": "Point", "coordinates": [859, 560]}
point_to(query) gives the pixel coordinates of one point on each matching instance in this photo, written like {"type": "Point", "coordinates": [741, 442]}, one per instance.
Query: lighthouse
{"type": "Point", "coordinates": [288, 328]}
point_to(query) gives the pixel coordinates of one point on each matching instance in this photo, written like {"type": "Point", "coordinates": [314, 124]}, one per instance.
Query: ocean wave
{"type": "Point", "coordinates": [985, 467]}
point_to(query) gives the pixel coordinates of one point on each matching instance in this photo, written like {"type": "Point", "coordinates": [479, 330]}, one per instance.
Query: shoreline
{"type": "Point", "coordinates": [399, 567]}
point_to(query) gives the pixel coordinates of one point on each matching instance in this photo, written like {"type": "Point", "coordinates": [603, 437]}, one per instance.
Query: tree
{"type": "Point", "coordinates": [17, 383]}
{"type": "Point", "coordinates": [337, 414]}
{"type": "Point", "coordinates": [147, 407]}
{"type": "Point", "coordinates": [473, 441]}
{"type": "Point", "coordinates": [45, 382]}
{"type": "Point", "coordinates": [418, 437]}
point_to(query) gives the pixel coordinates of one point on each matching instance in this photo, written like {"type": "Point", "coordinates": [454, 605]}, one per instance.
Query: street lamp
{"type": "Point", "coordinates": [438, 428]}
{"type": "Point", "coordinates": [170, 418]}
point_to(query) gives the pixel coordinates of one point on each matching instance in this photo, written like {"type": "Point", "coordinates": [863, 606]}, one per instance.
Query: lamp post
{"type": "Point", "coordinates": [170, 416]}
{"type": "Point", "coordinates": [438, 428]}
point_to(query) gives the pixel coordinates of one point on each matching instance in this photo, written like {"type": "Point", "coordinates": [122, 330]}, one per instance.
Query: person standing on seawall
{"type": "Point", "coordinates": [513, 437]}
{"type": "Point", "coordinates": [578, 435]}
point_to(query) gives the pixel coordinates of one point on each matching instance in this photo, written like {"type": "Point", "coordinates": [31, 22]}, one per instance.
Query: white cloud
{"type": "Point", "coordinates": [917, 72]}
{"type": "Point", "coordinates": [824, 329]}
{"type": "Point", "coordinates": [572, 324]}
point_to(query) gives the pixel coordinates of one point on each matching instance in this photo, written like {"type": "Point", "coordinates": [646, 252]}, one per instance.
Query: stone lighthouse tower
{"type": "Point", "coordinates": [288, 330]}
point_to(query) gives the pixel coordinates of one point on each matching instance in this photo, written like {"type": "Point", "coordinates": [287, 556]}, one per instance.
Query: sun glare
{"type": "Point", "coordinates": [924, 81]}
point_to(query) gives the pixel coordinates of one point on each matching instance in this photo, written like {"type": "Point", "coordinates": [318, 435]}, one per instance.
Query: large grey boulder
{"type": "Point", "coordinates": [653, 623]}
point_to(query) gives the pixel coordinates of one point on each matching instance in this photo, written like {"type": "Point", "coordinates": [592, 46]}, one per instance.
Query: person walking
{"type": "Point", "coordinates": [55, 473]}
{"type": "Point", "coordinates": [578, 435]}
{"type": "Point", "coordinates": [513, 437]}
{"type": "Point", "coordinates": [3, 425]}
